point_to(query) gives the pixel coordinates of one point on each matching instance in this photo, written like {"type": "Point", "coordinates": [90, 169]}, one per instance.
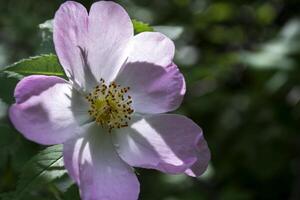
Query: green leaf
{"type": "Point", "coordinates": [46, 64]}
{"type": "Point", "coordinates": [41, 169]}
{"type": "Point", "coordinates": [141, 26]}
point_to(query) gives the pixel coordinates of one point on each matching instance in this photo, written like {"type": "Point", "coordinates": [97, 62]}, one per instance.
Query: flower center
{"type": "Point", "coordinates": [110, 106]}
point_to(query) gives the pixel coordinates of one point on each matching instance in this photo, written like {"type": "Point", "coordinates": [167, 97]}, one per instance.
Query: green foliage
{"type": "Point", "coordinates": [277, 53]}
{"type": "Point", "coordinates": [141, 26]}
{"type": "Point", "coordinates": [173, 32]}
{"type": "Point", "coordinates": [40, 170]}
{"type": "Point", "coordinates": [43, 64]}
{"type": "Point", "coordinates": [46, 33]}
{"type": "Point", "coordinates": [14, 150]}
{"type": "Point", "coordinates": [72, 193]}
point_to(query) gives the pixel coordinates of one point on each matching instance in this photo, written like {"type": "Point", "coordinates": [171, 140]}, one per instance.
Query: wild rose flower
{"type": "Point", "coordinates": [108, 114]}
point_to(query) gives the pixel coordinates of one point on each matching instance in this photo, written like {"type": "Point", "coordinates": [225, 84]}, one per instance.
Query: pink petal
{"type": "Point", "coordinates": [70, 37]}
{"type": "Point", "coordinates": [92, 46]}
{"type": "Point", "coordinates": [110, 30]}
{"type": "Point", "coordinates": [47, 110]}
{"type": "Point", "coordinates": [164, 142]}
{"type": "Point", "coordinates": [98, 170]}
{"type": "Point", "coordinates": [153, 48]}
{"type": "Point", "coordinates": [154, 89]}
{"type": "Point", "coordinates": [203, 157]}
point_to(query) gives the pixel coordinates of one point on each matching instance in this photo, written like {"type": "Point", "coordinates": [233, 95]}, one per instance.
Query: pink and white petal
{"type": "Point", "coordinates": [165, 142]}
{"type": "Point", "coordinates": [203, 158]}
{"type": "Point", "coordinates": [47, 110]}
{"type": "Point", "coordinates": [110, 30]}
{"type": "Point", "coordinates": [98, 170]}
{"type": "Point", "coordinates": [69, 35]}
{"type": "Point", "coordinates": [152, 47]}
{"type": "Point", "coordinates": [154, 89]}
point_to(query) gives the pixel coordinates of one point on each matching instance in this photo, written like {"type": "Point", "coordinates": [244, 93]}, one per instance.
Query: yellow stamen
{"type": "Point", "coordinates": [110, 106]}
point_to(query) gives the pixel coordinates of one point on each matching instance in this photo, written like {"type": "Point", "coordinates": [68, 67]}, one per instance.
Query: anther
{"type": "Point", "coordinates": [109, 106]}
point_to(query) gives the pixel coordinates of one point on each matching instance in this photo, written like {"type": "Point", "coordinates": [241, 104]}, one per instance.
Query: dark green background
{"type": "Point", "coordinates": [242, 67]}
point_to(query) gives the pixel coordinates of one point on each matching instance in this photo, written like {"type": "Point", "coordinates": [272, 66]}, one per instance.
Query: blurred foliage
{"type": "Point", "coordinates": [242, 66]}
